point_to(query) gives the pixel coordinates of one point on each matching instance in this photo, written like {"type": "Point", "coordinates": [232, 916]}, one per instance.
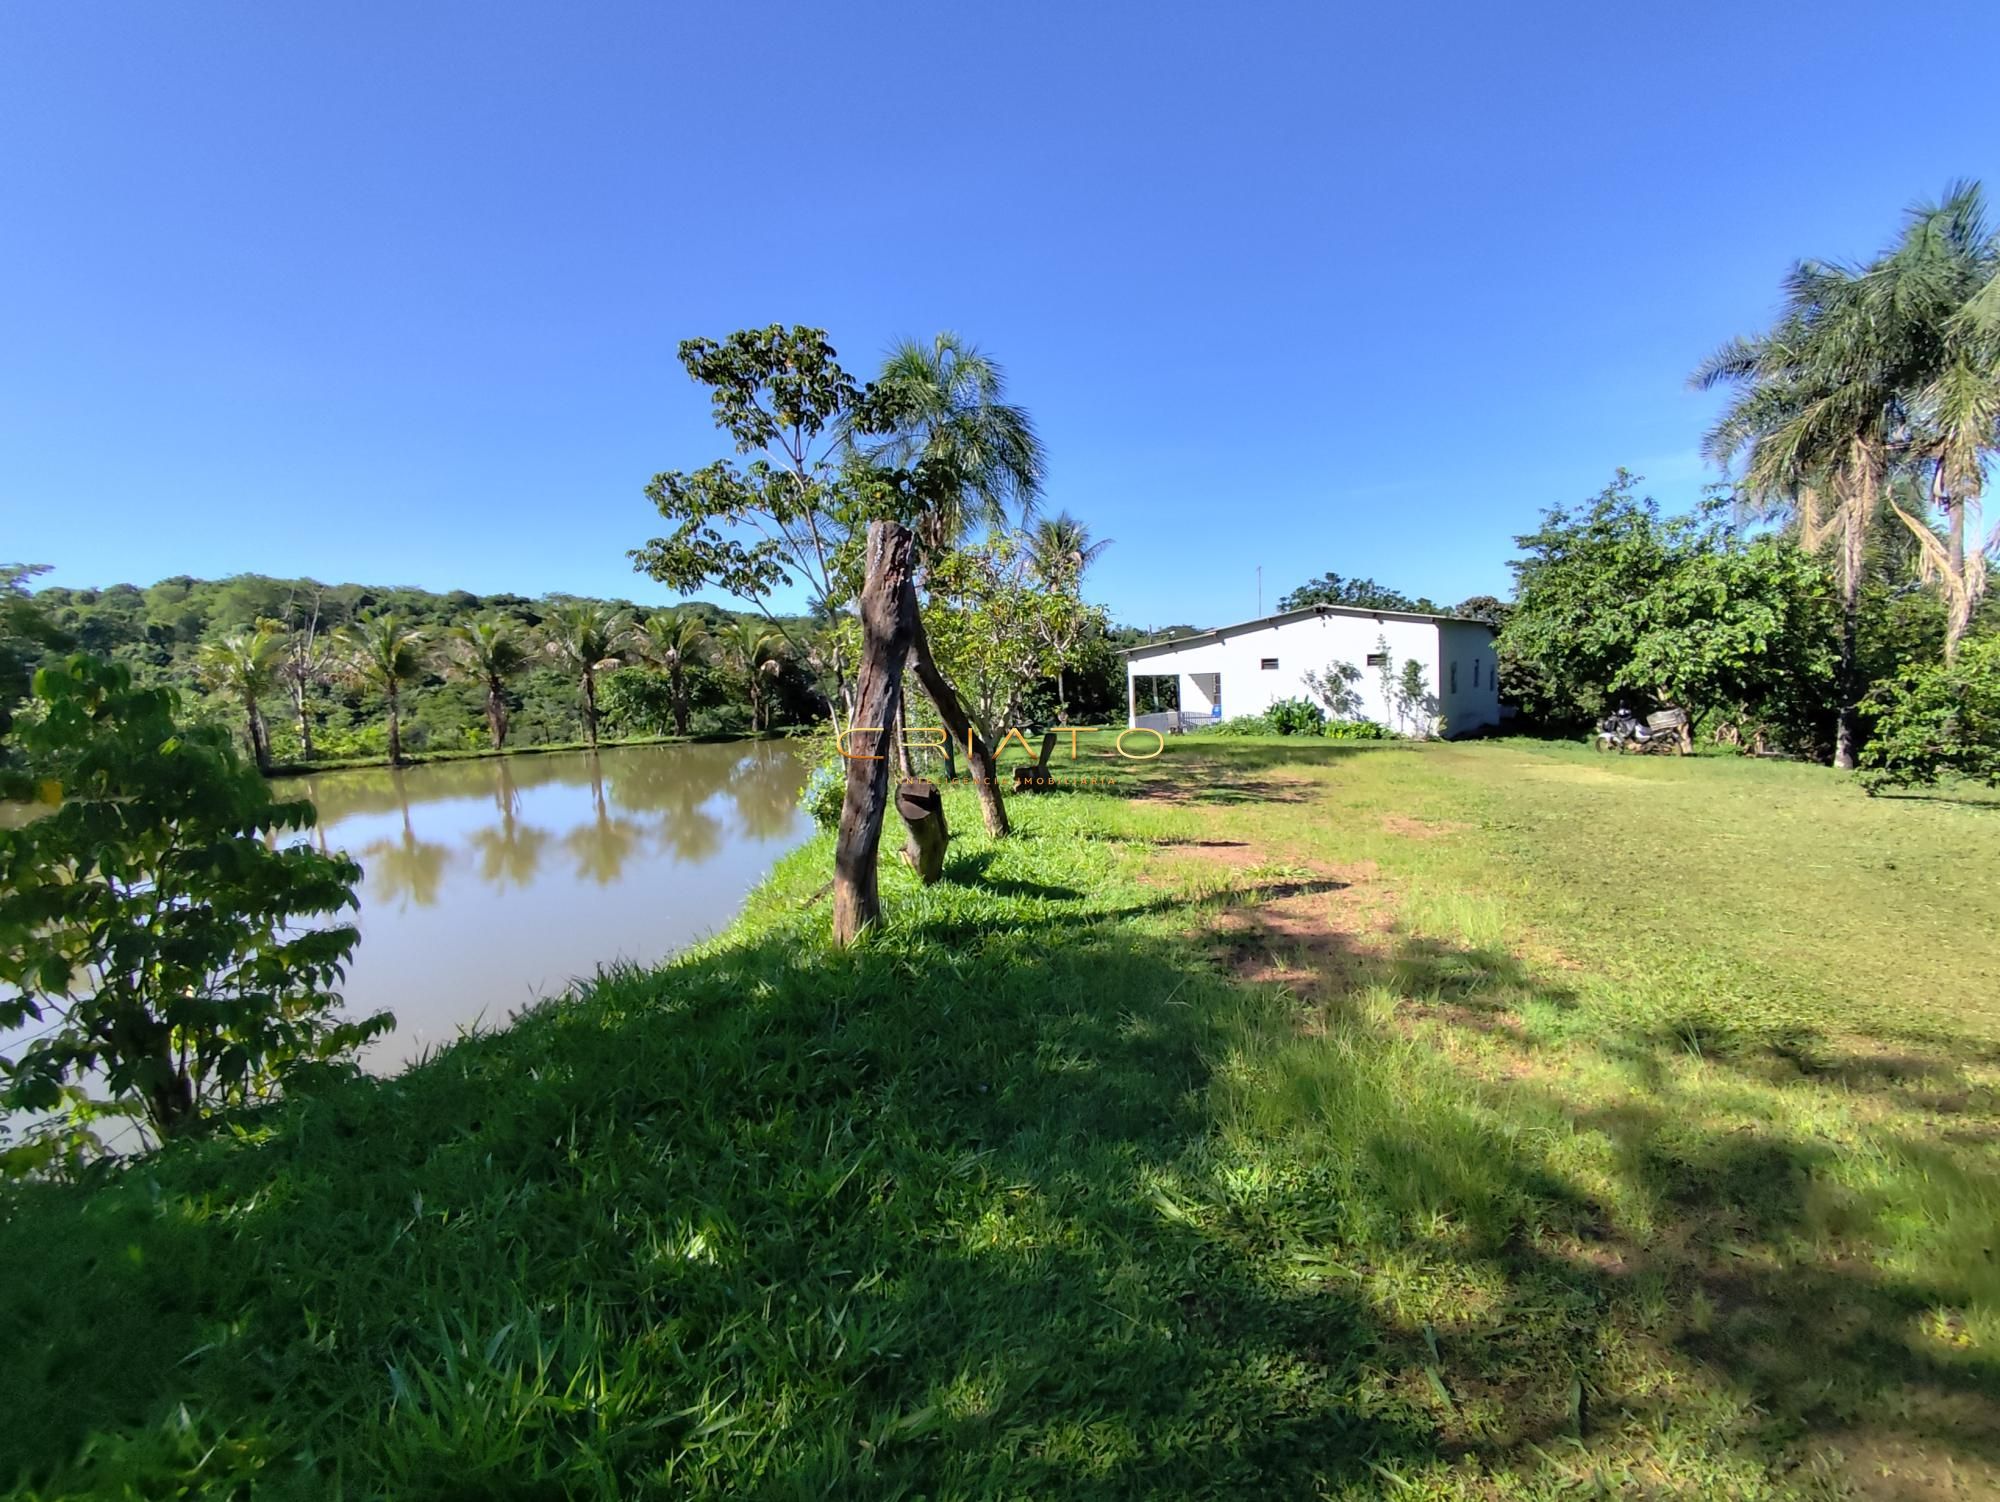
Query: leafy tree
{"type": "Point", "coordinates": [943, 410]}
{"type": "Point", "coordinates": [1613, 600]}
{"type": "Point", "coordinates": [1359, 594]}
{"type": "Point", "coordinates": [991, 631]}
{"type": "Point", "coordinates": [245, 665]}
{"type": "Point", "coordinates": [383, 653]}
{"type": "Point", "coordinates": [754, 653]}
{"type": "Point", "coordinates": [26, 635]}
{"type": "Point", "coordinates": [1488, 608]}
{"type": "Point", "coordinates": [788, 517]}
{"type": "Point", "coordinates": [587, 638]}
{"type": "Point", "coordinates": [152, 916]}
{"type": "Point", "coordinates": [488, 653]}
{"type": "Point", "coordinates": [674, 641]}
{"type": "Point", "coordinates": [1935, 719]}
{"type": "Point", "coordinates": [1411, 699]}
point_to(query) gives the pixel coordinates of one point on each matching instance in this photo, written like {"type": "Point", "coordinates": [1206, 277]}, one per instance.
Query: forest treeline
{"type": "Point", "coordinates": [289, 647]}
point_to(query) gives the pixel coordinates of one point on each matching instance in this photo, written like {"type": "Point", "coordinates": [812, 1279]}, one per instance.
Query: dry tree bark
{"type": "Point", "coordinates": [888, 625]}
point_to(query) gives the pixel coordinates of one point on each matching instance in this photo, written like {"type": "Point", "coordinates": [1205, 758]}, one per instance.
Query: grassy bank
{"type": "Point", "coordinates": [1295, 1120]}
{"type": "Point", "coordinates": [489, 753]}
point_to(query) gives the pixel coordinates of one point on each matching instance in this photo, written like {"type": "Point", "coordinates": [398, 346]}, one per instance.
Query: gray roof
{"type": "Point", "coordinates": [1307, 613]}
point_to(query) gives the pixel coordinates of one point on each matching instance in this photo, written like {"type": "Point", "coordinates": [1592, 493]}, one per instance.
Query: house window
{"type": "Point", "coordinates": [1475, 672]}
{"type": "Point", "coordinates": [1269, 664]}
{"type": "Point", "coordinates": [1454, 677]}
{"type": "Point", "coordinates": [1378, 659]}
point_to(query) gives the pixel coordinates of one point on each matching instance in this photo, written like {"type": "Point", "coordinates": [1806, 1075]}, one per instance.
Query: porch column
{"type": "Point", "coordinates": [1131, 697]}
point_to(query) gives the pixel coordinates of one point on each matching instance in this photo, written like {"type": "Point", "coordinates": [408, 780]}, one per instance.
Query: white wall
{"type": "Point", "coordinates": [1476, 701]}
{"type": "Point", "coordinates": [1247, 687]}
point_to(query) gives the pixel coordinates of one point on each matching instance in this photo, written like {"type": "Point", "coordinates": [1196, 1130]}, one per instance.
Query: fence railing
{"type": "Point", "coordinates": [1167, 722]}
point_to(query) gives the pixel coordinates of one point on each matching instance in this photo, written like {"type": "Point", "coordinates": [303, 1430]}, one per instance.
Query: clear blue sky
{"type": "Point", "coordinates": [390, 291]}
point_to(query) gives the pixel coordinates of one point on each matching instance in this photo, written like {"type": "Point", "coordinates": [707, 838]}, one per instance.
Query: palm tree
{"type": "Point", "coordinates": [945, 405]}
{"type": "Point", "coordinates": [245, 665]}
{"type": "Point", "coordinates": [1060, 549]}
{"type": "Point", "coordinates": [1936, 278]}
{"type": "Point", "coordinates": [673, 641]}
{"type": "Point", "coordinates": [754, 650]}
{"type": "Point", "coordinates": [488, 653]}
{"type": "Point", "coordinates": [1820, 402]}
{"type": "Point", "coordinates": [385, 654]}
{"type": "Point", "coordinates": [587, 638]}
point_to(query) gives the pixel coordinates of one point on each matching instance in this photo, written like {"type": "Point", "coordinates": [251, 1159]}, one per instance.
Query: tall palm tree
{"type": "Point", "coordinates": [488, 653]}
{"type": "Point", "coordinates": [946, 406]}
{"type": "Point", "coordinates": [674, 641]}
{"type": "Point", "coordinates": [587, 638]}
{"type": "Point", "coordinates": [245, 665]}
{"type": "Point", "coordinates": [1936, 278]}
{"type": "Point", "coordinates": [1821, 404]}
{"type": "Point", "coordinates": [385, 654]}
{"type": "Point", "coordinates": [754, 651]}
{"type": "Point", "coordinates": [1060, 549]}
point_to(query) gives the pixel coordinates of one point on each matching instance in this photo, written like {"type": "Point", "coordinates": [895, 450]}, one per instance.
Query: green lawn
{"type": "Point", "coordinates": [1297, 1120]}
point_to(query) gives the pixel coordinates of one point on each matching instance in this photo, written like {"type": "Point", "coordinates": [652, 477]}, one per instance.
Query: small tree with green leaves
{"type": "Point", "coordinates": [156, 930]}
{"type": "Point", "coordinates": [993, 632]}
{"type": "Point", "coordinates": [791, 516]}
{"type": "Point", "coordinates": [1938, 719]}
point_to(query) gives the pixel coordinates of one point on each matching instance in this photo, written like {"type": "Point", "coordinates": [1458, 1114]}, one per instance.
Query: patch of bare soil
{"type": "Point", "coordinates": [1310, 926]}
{"type": "Point", "coordinates": [1417, 829]}
{"type": "Point", "coordinates": [1187, 789]}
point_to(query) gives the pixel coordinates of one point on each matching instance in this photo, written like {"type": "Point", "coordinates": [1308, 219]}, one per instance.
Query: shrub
{"type": "Point", "coordinates": [824, 792]}
{"type": "Point", "coordinates": [1356, 730]}
{"type": "Point", "coordinates": [1942, 717]}
{"type": "Point", "coordinates": [1296, 717]}
{"type": "Point", "coordinates": [1243, 724]}
{"type": "Point", "coordinates": [182, 951]}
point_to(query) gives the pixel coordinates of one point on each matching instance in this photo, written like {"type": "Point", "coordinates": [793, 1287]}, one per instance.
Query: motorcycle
{"type": "Point", "coordinates": [1620, 730]}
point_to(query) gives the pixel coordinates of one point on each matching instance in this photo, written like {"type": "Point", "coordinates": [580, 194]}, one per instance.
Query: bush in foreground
{"type": "Point", "coordinates": [1937, 719]}
{"type": "Point", "coordinates": [154, 935]}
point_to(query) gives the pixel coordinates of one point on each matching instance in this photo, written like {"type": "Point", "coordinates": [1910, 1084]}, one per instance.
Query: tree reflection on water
{"type": "Point", "coordinates": [686, 803]}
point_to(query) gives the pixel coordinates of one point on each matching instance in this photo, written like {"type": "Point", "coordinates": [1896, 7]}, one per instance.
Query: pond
{"type": "Point", "coordinates": [489, 884]}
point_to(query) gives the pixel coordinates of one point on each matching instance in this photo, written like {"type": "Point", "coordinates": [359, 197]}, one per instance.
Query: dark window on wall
{"type": "Point", "coordinates": [1378, 659]}
{"type": "Point", "coordinates": [1454, 677]}
{"type": "Point", "coordinates": [1475, 672]}
{"type": "Point", "coordinates": [1269, 664]}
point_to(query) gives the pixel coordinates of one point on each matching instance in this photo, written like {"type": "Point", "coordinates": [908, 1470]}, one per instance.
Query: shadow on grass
{"type": "Point", "coordinates": [1028, 1208]}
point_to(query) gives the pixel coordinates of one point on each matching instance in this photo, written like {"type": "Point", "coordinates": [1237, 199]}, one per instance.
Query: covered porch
{"type": "Point", "coordinates": [1171, 702]}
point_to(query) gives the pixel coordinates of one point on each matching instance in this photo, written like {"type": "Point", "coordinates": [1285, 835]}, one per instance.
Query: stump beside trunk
{"type": "Point", "coordinates": [922, 809]}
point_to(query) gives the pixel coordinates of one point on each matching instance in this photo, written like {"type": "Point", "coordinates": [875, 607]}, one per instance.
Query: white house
{"type": "Point", "coordinates": [1244, 669]}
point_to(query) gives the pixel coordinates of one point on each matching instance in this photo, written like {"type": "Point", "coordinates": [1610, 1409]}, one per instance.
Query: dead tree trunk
{"type": "Point", "coordinates": [922, 810]}
{"type": "Point", "coordinates": [985, 780]}
{"type": "Point", "coordinates": [888, 622]}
